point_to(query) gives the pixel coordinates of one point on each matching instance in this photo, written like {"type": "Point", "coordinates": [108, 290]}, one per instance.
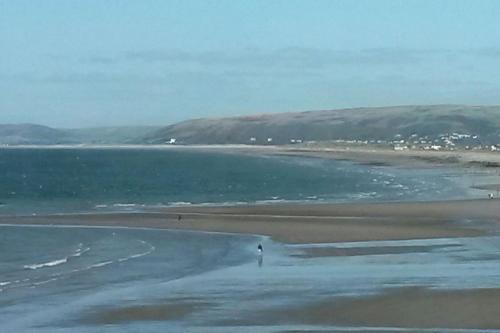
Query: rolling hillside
{"type": "Point", "coordinates": [382, 123]}
{"type": "Point", "coordinates": [31, 134]}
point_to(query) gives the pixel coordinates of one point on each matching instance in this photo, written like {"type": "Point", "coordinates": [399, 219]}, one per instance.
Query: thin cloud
{"type": "Point", "coordinates": [292, 57]}
{"type": "Point", "coordinates": [285, 57]}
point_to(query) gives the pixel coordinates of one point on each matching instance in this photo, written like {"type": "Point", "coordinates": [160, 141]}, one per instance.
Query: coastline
{"type": "Point", "coordinates": [403, 307]}
{"type": "Point", "coordinates": [326, 223]}
{"type": "Point", "coordinates": [306, 223]}
{"type": "Point", "coordinates": [370, 155]}
{"type": "Point", "coordinates": [408, 307]}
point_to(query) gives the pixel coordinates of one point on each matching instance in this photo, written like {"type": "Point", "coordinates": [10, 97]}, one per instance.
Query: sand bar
{"type": "Point", "coordinates": [373, 155]}
{"type": "Point", "coordinates": [307, 223]}
{"type": "Point", "coordinates": [174, 310]}
{"type": "Point", "coordinates": [407, 307]}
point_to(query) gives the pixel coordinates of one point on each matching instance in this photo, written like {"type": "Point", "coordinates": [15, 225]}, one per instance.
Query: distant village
{"type": "Point", "coordinates": [445, 142]}
{"type": "Point", "coordinates": [448, 142]}
{"type": "Point", "coordinates": [442, 142]}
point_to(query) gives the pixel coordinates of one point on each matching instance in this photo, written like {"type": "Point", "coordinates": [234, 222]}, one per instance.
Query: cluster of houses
{"type": "Point", "coordinates": [172, 141]}
{"type": "Point", "coordinates": [269, 140]}
{"type": "Point", "coordinates": [399, 143]}
{"type": "Point", "coordinates": [442, 142]}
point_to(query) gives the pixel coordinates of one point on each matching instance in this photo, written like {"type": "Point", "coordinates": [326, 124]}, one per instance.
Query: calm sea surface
{"type": "Point", "coordinates": [78, 180]}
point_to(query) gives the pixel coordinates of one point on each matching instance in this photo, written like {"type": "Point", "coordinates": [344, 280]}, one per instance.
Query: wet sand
{"type": "Point", "coordinates": [398, 308]}
{"type": "Point", "coordinates": [385, 156]}
{"type": "Point", "coordinates": [153, 312]}
{"type": "Point", "coordinates": [307, 223]}
{"type": "Point", "coordinates": [332, 251]}
{"type": "Point", "coordinates": [325, 223]}
{"type": "Point", "coordinates": [408, 307]}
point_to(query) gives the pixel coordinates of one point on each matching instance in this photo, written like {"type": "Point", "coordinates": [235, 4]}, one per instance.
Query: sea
{"type": "Point", "coordinates": [100, 279]}
{"type": "Point", "coordinates": [51, 181]}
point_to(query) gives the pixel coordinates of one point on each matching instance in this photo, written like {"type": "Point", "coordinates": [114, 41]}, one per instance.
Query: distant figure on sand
{"type": "Point", "coordinates": [260, 249]}
{"type": "Point", "coordinates": [490, 195]}
{"type": "Point", "coordinates": [179, 217]}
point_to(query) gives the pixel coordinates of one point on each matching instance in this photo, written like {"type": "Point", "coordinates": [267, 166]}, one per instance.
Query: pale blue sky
{"type": "Point", "coordinates": [96, 62]}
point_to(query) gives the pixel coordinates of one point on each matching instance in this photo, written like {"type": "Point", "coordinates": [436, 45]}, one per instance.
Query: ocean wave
{"type": "Point", "coordinates": [79, 251]}
{"type": "Point", "coordinates": [222, 203]}
{"type": "Point", "coordinates": [364, 195]}
{"type": "Point", "coordinates": [272, 201]}
{"type": "Point", "coordinates": [109, 262]}
{"type": "Point", "coordinates": [180, 203]}
{"type": "Point", "coordinates": [124, 205]}
{"type": "Point", "coordinates": [44, 282]}
{"type": "Point", "coordinates": [47, 264]}
{"type": "Point", "coordinates": [5, 283]}
{"type": "Point", "coordinates": [101, 264]}
{"type": "Point", "coordinates": [138, 255]}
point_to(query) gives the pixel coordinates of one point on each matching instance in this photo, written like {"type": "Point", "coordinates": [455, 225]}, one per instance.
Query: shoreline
{"type": "Point", "coordinates": [370, 155]}
{"type": "Point", "coordinates": [305, 223]}
{"type": "Point", "coordinates": [310, 223]}
{"type": "Point", "coordinates": [408, 307]}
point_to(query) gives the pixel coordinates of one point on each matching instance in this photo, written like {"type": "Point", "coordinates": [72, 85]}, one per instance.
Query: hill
{"type": "Point", "coordinates": [31, 134]}
{"type": "Point", "coordinates": [381, 123]}
{"type": "Point", "coordinates": [110, 135]}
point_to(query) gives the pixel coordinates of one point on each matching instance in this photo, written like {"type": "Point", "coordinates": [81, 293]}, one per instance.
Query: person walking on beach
{"type": "Point", "coordinates": [260, 256]}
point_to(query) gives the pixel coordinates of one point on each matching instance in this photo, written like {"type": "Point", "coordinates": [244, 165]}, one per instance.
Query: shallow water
{"type": "Point", "coordinates": [60, 279]}
{"type": "Point", "coordinates": [47, 271]}
{"type": "Point", "coordinates": [222, 272]}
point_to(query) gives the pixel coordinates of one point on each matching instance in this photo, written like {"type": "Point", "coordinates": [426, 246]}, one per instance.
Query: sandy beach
{"type": "Point", "coordinates": [402, 308]}
{"type": "Point", "coordinates": [174, 310]}
{"type": "Point", "coordinates": [306, 223]}
{"type": "Point", "coordinates": [372, 155]}
{"type": "Point", "coordinates": [325, 223]}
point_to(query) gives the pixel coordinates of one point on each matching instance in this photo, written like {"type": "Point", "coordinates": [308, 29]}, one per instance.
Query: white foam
{"type": "Point", "coordinates": [101, 264]}
{"type": "Point", "coordinates": [138, 255]}
{"type": "Point", "coordinates": [44, 282]}
{"type": "Point", "coordinates": [271, 201]}
{"type": "Point", "coordinates": [5, 283]}
{"type": "Point", "coordinates": [79, 252]}
{"type": "Point", "coordinates": [47, 264]}
{"type": "Point", "coordinates": [124, 205]}
{"type": "Point", "coordinates": [101, 206]}
{"type": "Point", "coordinates": [180, 203]}
{"type": "Point", "coordinates": [57, 262]}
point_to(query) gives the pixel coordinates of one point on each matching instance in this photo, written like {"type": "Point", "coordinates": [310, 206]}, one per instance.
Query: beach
{"type": "Point", "coordinates": [404, 308]}
{"type": "Point", "coordinates": [370, 155]}
{"type": "Point", "coordinates": [328, 266]}
{"type": "Point", "coordinates": [306, 223]}
{"type": "Point", "coordinates": [362, 230]}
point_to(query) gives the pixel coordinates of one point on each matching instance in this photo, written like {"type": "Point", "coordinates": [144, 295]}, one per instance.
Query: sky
{"type": "Point", "coordinates": [116, 62]}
